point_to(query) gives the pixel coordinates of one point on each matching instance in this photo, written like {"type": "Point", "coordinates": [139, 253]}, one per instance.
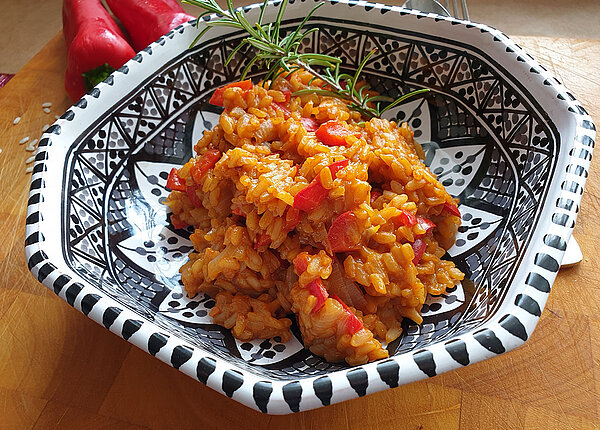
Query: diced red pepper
{"type": "Point", "coordinates": [425, 224]}
{"type": "Point", "coordinates": [177, 222]}
{"type": "Point", "coordinates": [174, 182]}
{"type": "Point", "coordinates": [292, 218]}
{"type": "Point", "coordinates": [203, 164]}
{"type": "Point", "coordinates": [262, 240]}
{"type": "Point", "coordinates": [310, 124]}
{"type": "Point", "coordinates": [337, 166]}
{"type": "Point", "coordinates": [286, 112]}
{"type": "Point", "coordinates": [311, 197]}
{"type": "Point", "coordinates": [375, 194]}
{"type": "Point", "coordinates": [217, 97]}
{"type": "Point", "coordinates": [452, 209]}
{"type": "Point", "coordinates": [287, 94]}
{"type": "Point", "coordinates": [300, 263]}
{"type": "Point", "coordinates": [353, 324]}
{"type": "Point", "coordinates": [317, 289]}
{"type": "Point", "coordinates": [344, 233]}
{"type": "Point", "coordinates": [406, 218]}
{"type": "Point", "coordinates": [418, 247]}
{"type": "Point", "coordinates": [238, 212]}
{"type": "Point", "coordinates": [333, 133]}
{"type": "Point", "coordinates": [194, 199]}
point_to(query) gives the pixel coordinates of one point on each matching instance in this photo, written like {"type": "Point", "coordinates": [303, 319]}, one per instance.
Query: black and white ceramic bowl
{"type": "Point", "coordinates": [501, 133]}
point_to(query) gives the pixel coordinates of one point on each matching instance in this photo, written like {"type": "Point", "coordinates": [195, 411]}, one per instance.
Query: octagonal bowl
{"type": "Point", "coordinates": [500, 132]}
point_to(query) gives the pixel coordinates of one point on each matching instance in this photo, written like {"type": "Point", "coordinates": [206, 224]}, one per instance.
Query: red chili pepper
{"type": "Point", "coordinates": [317, 289]}
{"type": "Point", "coordinates": [344, 233]}
{"type": "Point", "coordinates": [174, 182]}
{"type": "Point", "coordinates": [95, 44]}
{"type": "Point", "coordinates": [203, 164]}
{"type": "Point", "coordinates": [353, 324]}
{"type": "Point", "coordinates": [300, 263]}
{"type": "Point", "coordinates": [217, 97]}
{"type": "Point", "coordinates": [292, 218]}
{"type": "Point", "coordinates": [333, 133]}
{"type": "Point", "coordinates": [425, 224]}
{"type": "Point", "coordinates": [147, 20]}
{"type": "Point", "coordinates": [262, 240]}
{"type": "Point", "coordinates": [452, 209]}
{"type": "Point", "coordinates": [312, 196]}
{"type": "Point", "coordinates": [418, 247]}
{"type": "Point", "coordinates": [177, 222]}
{"type": "Point", "coordinates": [310, 124]}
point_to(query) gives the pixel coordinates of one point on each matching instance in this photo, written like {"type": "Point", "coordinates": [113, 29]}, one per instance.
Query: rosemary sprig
{"type": "Point", "coordinates": [279, 55]}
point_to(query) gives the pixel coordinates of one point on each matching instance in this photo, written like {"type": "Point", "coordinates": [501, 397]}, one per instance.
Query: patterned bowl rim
{"type": "Point", "coordinates": [281, 396]}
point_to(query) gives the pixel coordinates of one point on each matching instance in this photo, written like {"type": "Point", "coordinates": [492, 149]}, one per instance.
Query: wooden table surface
{"type": "Point", "coordinates": [60, 369]}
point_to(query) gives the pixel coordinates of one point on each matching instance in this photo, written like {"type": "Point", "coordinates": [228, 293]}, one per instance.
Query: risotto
{"type": "Point", "coordinates": [301, 209]}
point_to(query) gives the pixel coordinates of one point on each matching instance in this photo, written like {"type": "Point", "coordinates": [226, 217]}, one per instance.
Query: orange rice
{"type": "Point", "coordinates": [261, 258]}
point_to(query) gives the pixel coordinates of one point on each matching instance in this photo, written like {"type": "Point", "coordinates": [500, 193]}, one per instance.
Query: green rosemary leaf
{"type": "Point", "coordinates": [235, 50]}
{"type": "Point", "coordinates": [402, 98]}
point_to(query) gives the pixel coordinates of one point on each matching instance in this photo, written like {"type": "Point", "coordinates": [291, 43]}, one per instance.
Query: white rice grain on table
{"type": "Point", "coordinates": [24, 140]}
{"type": "Point", "coordinates": [47, 110]}
{"type": "Point", "coordinates": [29, 169]}
{"type": "Point", "coordinates": [47, 105]}
{"type": "Point", "coordinates": [45, 127]}
{"type": "Point", "coordinates": [16, 120]}
{"type": "Point", "coordinates": [30, 160]}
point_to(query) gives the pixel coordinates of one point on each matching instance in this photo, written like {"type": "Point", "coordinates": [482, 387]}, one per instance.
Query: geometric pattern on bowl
{"type": "Point", "coordinates": [485, 135]}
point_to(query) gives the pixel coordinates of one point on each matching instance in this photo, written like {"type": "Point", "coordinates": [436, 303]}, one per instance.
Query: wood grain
{"type": "Point", "coordinates": [60, 369]}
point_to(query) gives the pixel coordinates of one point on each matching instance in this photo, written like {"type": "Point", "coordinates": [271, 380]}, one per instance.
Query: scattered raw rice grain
{"type": "Point", "coordinates": [56, 116]}
{"type": "Point", "coordinates": [47, 105]}
{"type": "Point", "coordinates": [29, 169]}
{"type": "Point", "coordinates": [45, 127]}
{"type": "Point", "coordinates": [47, 110]}
{"type": "Point", "coordinates": [16, 120]}
{"type": "Point", "coordinates": [30, 160]}
{"type": "Point", "coordinates": [24, 140]}
{"type": "Point", "coordinates": [30, 148]}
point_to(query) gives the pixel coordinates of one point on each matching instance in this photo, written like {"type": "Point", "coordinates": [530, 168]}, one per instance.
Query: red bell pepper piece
{"type": "Point", "coordinates": [191, 192]}
{"type": "Point", "coordinates": [203, 164]}
{"type": "Point", "coordinates": [217, 97]}
{"type": "Point", "coordinates": [317, 289]}
{"type": "Point", "coordinates": [426, 224]}
{"type": "Point", "coordinates": [452, 209]}
{"type": "Point", "coordinates": [337, 166]}
{"type": "Point", "coordinates": [418, 247]}
{"type": "Point", "coordinates": [95, 44]}
{"type": "Point", "coordinates": [343, 234]}
{"type": "Point", "coordinates": [287, 94]}
{"type": "Point", "coordinates": [262, 240]}
{"type": "Point", "coordinates": [311, 197]}
{"type": "Point", "coordinates": [286, 112]}
{"type": "Point", "coordinates": [375, 194]}
{"type": "Point", "coordinates": [300, 263]}
{"type": "Point", "coordinates": [174, 182]}
{"type": "Point", "coordinates": [310, 124]}
{"type": "Point", "coordinates": [406, 218]}
{"type": "Point", "coordinates": [352, 324]}
{"type": "Point", "coordinates": [292, 218]}
{"type": "Point", "coordinates": [177, 222]}
{"type": "Point", "coordinates": [148, 20]}
{"type": "Point", "coordinates": [333, 133]}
